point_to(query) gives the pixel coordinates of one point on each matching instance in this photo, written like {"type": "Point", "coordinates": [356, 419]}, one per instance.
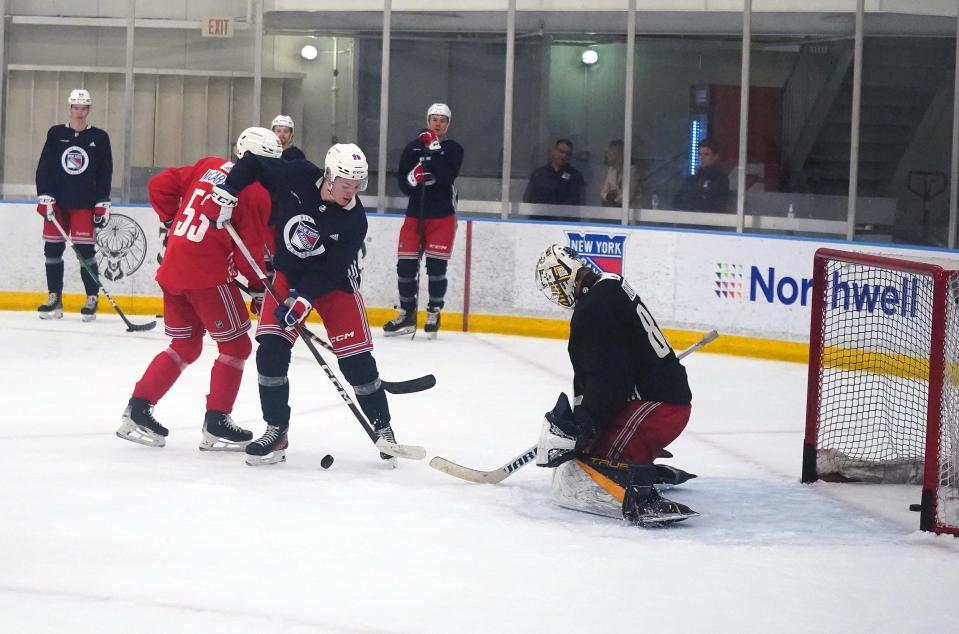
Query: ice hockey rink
{"type": "Point", "coordinates": [101, 535]}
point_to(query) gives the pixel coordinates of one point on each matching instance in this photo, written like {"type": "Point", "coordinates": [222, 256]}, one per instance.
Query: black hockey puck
{"type": "Point", "coordinates": [915, 507]}
{"type": "Point", "coordinates": [327, 461]}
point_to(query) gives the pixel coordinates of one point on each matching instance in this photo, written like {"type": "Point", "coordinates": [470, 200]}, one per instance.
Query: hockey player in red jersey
{"type": "Point", "coordinates": [200, 294]}
{"type": "Point", "coordinates": [631, 394]}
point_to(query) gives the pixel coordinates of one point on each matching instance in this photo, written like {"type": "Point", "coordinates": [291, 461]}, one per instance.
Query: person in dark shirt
{"type": "Point", "coordinates": [708, 188]}
{"type": "Point", "coordinates": [320, 224]}
{"type": "Point", "coordinates": [557, 182]}
{"type": "Point", "coordinates": [74, 177]}
{"type": "Point", "coordinates": [631, 393]}
{"type": "Point", "coordinates": [282, 127]}
{"type": "Point", "coordinates": [428, 166]}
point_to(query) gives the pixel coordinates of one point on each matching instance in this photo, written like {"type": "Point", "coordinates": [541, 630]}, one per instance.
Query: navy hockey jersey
{"type": "Point", "coordinates": [76, 168]}
{"type": "Point", "coordinates": [316, 241]}
{"type": "Point", "coordinates": [439, 199]}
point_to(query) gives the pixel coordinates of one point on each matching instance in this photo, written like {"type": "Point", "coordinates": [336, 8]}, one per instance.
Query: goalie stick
{"type": "Point", "coordinates": [409, 386]}
{"type": "Point", "coordinates": [498, 475]}
{"type": "Point", "coordinates": [131, 327]}
{"type": "Point", "coordinates": [411, 452]}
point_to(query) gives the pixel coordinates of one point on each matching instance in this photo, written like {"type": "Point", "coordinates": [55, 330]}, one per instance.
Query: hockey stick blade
{"type": "Point", "coordinates": [410, 386]}
{"type": "Point", "coordinates": [484, 477]}
{"type": "Point", "coordinates": [132, 327]}
{"type": "Point", "coordinates": [410, 452]}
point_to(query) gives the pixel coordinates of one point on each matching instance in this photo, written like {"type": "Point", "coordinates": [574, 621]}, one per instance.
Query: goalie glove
{"type": "Point", "coordinates": [564, 435]}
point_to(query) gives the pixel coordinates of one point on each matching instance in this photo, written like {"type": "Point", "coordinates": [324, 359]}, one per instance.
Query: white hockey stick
{"type": "Point", "coordinates": [498, 475]}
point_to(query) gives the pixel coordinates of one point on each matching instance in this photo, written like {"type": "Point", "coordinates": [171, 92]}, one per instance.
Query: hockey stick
{"type": "Point", "coordinates": [131, 327]}
{"type": "Point", "coordinates": [409, 386]}
{"type": "Point", "coordinates": [412, 452]}
{"type": "Point", "coordinates": [498, 475]}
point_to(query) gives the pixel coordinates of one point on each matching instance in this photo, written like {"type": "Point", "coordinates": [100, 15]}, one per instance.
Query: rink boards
{"type": "Point", "coordinates": [756, 290]}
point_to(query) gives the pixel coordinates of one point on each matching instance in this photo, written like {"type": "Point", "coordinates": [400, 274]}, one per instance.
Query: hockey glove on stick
{"type": "Point", "coordinates": [227, 201]}
{"type": "Point", "coordinates": [293, 310]}
{"type": "Point", "coordinates": [101, 214]}
{"type": "Point", "coordinates": [430, 141]}
{"type": "Point", "coordinates": [47, 206]}
{"type": "Point", "coordinates": [256, 299]}
{"type": "Point", "coordinates": [419, 175]}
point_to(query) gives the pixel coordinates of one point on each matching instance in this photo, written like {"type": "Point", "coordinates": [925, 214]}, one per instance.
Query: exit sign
{"type": "Point", "coordinates": [218, 27]}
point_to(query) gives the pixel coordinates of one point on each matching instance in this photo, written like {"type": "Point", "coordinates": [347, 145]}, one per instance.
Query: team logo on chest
{"type": "Point", "coordinates": [74, 160]}
{"type": "Point", "coordinates": [301, 236]}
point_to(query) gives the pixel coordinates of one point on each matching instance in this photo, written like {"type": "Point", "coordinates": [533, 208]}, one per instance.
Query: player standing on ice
{"type": "Point", "coordinates": [200, 294]}
{"type": "Point", "coordinates": [428, 166]}
{"type": "Point", "coordinates": [74, 177]}
{"type": "Point", "coordinates": [631, 393]}
{"type": "Point", "coordinates": [282, 127]}
{"type": "Point", "coordinates": [320, 225]}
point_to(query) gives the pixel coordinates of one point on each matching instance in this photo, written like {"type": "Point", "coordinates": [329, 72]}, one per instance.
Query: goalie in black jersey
{"type": "Point", "coordinates": [631, 394]}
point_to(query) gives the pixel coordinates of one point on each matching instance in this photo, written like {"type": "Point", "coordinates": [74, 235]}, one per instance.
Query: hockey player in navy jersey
{"type": "Point", "coordinates": [428, 166]}
{"type": "Point", "coordinates": [320, 225]}
{"type": "Point", "coordinates": [631, 394]}
{"type": "Point", "coordinates": [282, 127]}
{"type": "Point", "coordinates": [74, 177]}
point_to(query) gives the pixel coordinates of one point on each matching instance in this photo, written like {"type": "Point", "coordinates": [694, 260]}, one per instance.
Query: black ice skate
{"type": "Point", "coordinates": [89, 310]}
{"type": "Point", "coordinates": [220, 433]}
{"type": "Point", "coordinates": [269, 448]}
{"type": "Point", "coordinates": [402, 324]}
{"type": "Point", "coordinates": [384, 431]}
{"type": "Point", "coordinates": [432, 325]}
{"type": "Point", "coordinates": [645, 507]}
{"type": "Point", "coordinates": [52, 308]}
{"type": "Point", "coordinates": [139, 425]}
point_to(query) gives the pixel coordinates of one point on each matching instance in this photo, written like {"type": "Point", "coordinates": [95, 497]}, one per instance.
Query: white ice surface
{"type": "Point", "coordinates": [102, 535]}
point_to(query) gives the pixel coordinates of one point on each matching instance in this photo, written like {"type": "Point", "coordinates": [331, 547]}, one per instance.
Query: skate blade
{"type": "Point", "coordinates": [214, 443]}
{"type": "Point", "coordinates": [390, 460]}
{"type": "Point", "coordinates": [664, 520]}
{"type": "Point", "coordinates": [141, 437]}
{"type": "Point", "coordinates": [53, 314]}
{"type": "Point", "coordinates": [399, 333]}
{"type": "Point", "coordinates": [270, 458]}
{"type": "Point", "coordinates": [431, 335]}
{"type": "Point", "coordinates": [88, 317]}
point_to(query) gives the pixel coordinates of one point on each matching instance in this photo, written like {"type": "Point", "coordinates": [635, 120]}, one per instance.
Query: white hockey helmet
{"type": "Point", "coordinates": [556, 274]}
{"type": "Point", "coordinates": [80, 97]}
{"type": "Point", "coordinates": [259, 141]}
{"type": "Point", "coordinates": [346, 160]}
{"type": "Point", "coordinates": [282, 120]}
{"type": "Point", "coordinates": [441, 109]}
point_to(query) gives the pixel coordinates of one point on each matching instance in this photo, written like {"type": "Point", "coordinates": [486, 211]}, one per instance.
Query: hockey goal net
{"type": "Point", "coordinates": [883, 396]}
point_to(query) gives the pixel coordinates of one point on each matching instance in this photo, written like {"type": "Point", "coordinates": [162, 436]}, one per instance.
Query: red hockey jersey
{"type": "Point", "coordinates": [198, 255]}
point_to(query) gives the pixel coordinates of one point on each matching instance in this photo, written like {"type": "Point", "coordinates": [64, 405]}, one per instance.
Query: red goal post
{"type": "Point", "coordinates": [882, 402]}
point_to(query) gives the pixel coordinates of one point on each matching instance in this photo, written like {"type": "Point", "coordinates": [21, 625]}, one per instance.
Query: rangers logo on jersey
{"type": "Point", "coordinates": [603, 253]}
{"type": "Point", "coordinates": [301, 236]}
{"type": "Point", "coordinates": [74, 160]}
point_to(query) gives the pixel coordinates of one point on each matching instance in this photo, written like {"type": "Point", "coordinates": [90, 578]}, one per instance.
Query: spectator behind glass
{"type": "Point", "coordinates": [611, 193]}
{"type": "Point", "coordinates": [557, 182]}
{"type": "Point", "coordinates": [708, 188]}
